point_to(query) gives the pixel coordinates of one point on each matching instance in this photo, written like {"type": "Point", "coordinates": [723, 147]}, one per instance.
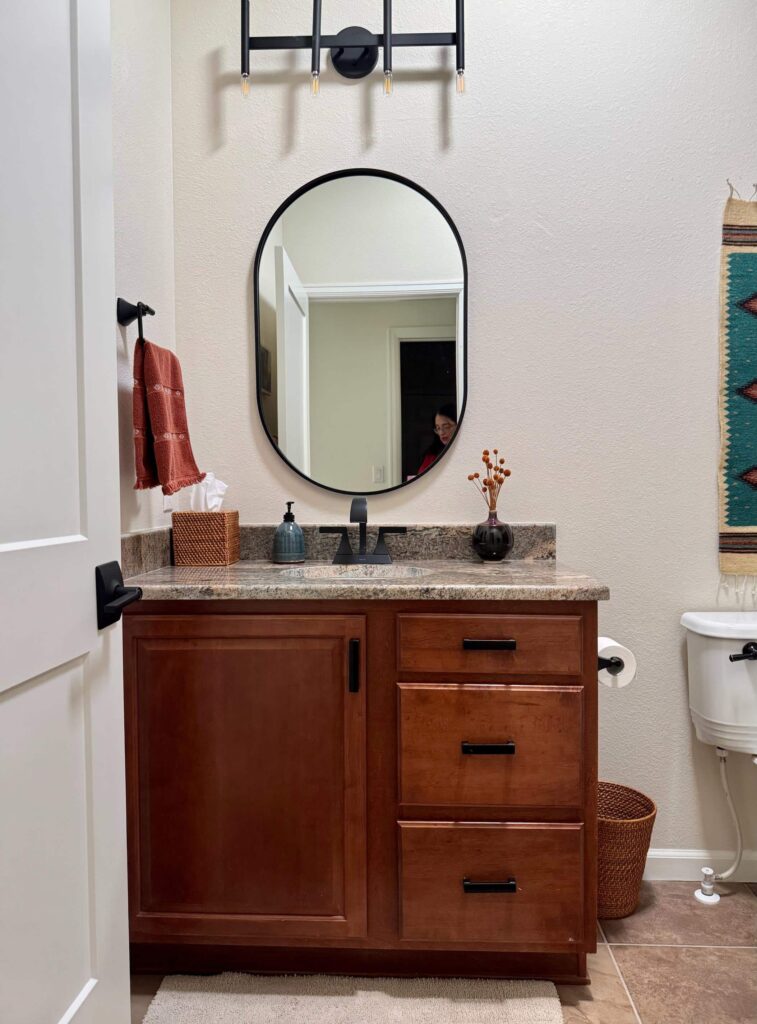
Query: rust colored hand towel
{"type": "Point", "coordinates": [162, 452]}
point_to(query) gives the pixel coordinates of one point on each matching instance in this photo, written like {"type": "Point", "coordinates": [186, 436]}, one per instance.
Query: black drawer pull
{"type": "Point", "coordinates": [509, 886]}
{"type": "Point", "coordinates": [487, 748]}
{"type": "Point", "coordinates": [488, 645]}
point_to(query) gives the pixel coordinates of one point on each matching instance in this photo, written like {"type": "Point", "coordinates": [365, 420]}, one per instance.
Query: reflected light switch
{"type": "Point", "coordinates": [378, 474]}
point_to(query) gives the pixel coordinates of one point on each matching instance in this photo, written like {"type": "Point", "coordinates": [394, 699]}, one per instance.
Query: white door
{"type": "Point", "coordinates": [63, 920]}
{"type": "Point", "coordinates": [292, 363]}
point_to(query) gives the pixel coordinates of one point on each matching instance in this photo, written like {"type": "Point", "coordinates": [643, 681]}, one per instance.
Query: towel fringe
{"type": "Point", "coordinates": [187, 481]}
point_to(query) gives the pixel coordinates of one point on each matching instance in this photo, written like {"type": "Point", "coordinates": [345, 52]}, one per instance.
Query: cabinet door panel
{"type": "Point", "coordinates": [248, 777]}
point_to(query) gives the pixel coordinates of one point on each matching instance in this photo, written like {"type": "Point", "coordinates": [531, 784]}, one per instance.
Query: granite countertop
{"type": "Point", "coordinates": [433, 579]}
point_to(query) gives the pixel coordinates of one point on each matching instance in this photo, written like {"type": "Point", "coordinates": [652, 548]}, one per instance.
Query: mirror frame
{"type": "Point", "coordinates": [352, 172]}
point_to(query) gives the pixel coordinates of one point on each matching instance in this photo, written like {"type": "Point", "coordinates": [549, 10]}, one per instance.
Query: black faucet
{"type": "Point", "coordinates": [359, 514]}
{"type": "Point", "coordinates": [345, 555]}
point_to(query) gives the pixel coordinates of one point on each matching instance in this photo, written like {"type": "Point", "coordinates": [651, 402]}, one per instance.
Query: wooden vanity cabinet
{"type": "Point", "coordinates": [362, 787]}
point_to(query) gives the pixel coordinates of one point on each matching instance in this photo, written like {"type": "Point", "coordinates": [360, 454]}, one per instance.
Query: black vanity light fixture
{"type": "Point", "coordinates": [354, 50]}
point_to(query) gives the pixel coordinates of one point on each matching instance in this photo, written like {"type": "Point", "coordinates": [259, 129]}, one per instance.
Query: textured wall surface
{"type": "Point", "coordinates": [585, 169]}
{"type": "Point", "coordinates": [143, 202]}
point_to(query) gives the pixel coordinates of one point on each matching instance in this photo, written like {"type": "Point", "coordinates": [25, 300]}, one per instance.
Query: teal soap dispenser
{"type": "Point", "coordinates": [289, 540]}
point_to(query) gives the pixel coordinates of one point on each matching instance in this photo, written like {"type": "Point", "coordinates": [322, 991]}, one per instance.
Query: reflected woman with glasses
{"type": "Point", "coordinates": [445, 425]}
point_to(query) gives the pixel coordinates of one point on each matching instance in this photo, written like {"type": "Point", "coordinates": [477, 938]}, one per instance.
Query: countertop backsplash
{"type": "Point", "coordinates": [151, 549]}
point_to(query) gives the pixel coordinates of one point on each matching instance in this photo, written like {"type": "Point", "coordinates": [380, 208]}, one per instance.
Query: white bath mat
{"type": "Point", "coordinates": [322, 999]}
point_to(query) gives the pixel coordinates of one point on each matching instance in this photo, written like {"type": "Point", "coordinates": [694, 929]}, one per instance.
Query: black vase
{"type": "Point", "coordinates": [492, 540]}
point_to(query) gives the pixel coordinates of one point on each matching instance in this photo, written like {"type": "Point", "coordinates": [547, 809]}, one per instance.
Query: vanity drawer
{"type": "Point", "coordinates": [490, 645]}
{"type": "Point", "coordinates": [513, 883]}
{"type": "Point", "coordinates": [491, 745]}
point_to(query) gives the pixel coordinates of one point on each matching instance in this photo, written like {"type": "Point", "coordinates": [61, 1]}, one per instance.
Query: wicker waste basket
{"type": "Point", "coordinates": [626, 818]}
{"type": "Point", "coordinates": [205, 538]}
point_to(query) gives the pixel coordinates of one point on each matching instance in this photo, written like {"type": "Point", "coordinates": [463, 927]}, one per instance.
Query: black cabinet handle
{"type": "Point", "coordinates": [353, 684]}
{"type": "Point", "coordinates": [509, 886]}
{"type": "Point", "coordinates": [488, 645]}
{"type": "Point", "coordinates": [487, 748]}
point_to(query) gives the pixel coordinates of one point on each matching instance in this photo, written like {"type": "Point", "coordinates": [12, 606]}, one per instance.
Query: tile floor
{"type": "Point", "coordinates": [672, 962]}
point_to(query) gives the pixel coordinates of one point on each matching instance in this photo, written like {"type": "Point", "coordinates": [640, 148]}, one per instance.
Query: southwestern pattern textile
{"type": "Point", "coordinates": [738, 389]}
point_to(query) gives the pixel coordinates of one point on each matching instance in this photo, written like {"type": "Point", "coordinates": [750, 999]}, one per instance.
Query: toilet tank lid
{"type": "Point", "coordinates": [734, 625]}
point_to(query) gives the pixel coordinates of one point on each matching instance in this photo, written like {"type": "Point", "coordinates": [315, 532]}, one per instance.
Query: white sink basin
{"type": "Point", "coordinates": [354, 572]}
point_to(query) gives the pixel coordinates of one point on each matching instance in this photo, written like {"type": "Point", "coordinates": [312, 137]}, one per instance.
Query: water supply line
{"type": "Point", "coordinates": [706, 894]}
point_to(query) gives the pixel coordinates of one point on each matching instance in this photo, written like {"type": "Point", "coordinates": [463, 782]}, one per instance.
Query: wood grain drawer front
{"type": "Point", "coordinates": [534, 872]}
{"type": "Point", "coordinates": [492, 645]}
{"type": "Point", "coordinates": [478, 745]}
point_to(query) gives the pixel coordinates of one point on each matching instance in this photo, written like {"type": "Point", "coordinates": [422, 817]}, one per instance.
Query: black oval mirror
{"type": "Point", "coordinates": [361, 331]}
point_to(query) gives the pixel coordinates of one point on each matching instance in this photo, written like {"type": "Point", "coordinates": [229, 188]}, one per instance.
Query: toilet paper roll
{"type": "Point", "coordinates": [609, 648]}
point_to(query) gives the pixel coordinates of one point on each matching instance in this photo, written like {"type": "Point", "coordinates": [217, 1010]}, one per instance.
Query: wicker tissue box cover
{"type": "Point", "coordinates": [205, 538]}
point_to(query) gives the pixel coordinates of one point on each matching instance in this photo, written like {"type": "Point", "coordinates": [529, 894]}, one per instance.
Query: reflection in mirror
{"type": "Point", "coordinates": [360, 317]}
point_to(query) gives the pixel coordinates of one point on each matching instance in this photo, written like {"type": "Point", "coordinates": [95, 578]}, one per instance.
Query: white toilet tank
{"type": "Point", "coordinates": [722, 693]}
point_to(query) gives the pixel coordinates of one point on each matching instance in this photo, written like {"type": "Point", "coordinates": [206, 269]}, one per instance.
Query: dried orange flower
{"type": "Point", "coordinates": [494, 477]}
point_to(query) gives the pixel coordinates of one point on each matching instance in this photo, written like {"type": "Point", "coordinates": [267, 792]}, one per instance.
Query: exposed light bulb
{"type": "Point", "coordinates": [460, 81]}
{"type": "Point", "coordinates": [245, 85]}
{"type": "Point", "coordinates": [315, 83]}
{"type": "Point", "coordinates": [388, 83]}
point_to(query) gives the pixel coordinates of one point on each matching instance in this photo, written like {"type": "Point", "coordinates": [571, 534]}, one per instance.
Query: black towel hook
{"type": "Point", "coordinates": [127, 313]}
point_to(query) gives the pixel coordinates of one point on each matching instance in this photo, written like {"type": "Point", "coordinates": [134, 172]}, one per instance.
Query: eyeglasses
{"type": "Point", "coordinates": [446, 428]}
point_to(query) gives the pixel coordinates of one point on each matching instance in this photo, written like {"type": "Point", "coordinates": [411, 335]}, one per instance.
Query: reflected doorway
{"type": "Point", "coordinates": [427, 382]}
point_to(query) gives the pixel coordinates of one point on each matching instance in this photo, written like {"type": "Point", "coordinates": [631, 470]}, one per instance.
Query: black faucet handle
{"type": "Point", "coordinates": [344, 551]}
{"type": "Point", "coordinates": [359, 510]}
{"type": "Point", "coordinates": [381, 551]}
{"type": "Point", "coordinates": [383, 530]}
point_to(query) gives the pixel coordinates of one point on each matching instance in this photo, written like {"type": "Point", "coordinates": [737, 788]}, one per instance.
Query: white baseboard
{"type": "Point", "coordinates": [686, 865]}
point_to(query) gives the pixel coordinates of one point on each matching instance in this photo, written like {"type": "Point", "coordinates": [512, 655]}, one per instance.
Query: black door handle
{"type": "Point", "coordinates": [488, 645]}
{"type": "Point", "coordinates": [509, 886]}
{"type": "Point", "coordinates": [487, 748]}
{"type": "Point", "coordinates": [112, 595]}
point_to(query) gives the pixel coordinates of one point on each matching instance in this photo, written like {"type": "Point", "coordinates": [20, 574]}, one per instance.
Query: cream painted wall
{"type": "Point", "coordinates": [585, 169]}
{"type": "Point", "coordinates": [143, 202]}
{"type": "Point", "coordinates": [350, 385]}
